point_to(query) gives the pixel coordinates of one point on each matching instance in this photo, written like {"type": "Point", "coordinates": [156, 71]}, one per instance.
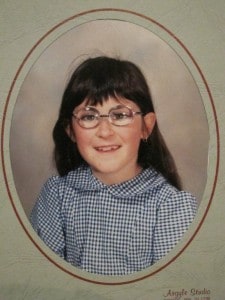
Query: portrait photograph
{"type": "Point", "coordinates": [111, 151]}
{"type": "Point", "coordinates": [177, 101]}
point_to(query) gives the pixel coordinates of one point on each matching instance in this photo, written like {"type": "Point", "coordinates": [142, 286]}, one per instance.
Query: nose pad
{"type": "Point", "coordinates": [104, 127]}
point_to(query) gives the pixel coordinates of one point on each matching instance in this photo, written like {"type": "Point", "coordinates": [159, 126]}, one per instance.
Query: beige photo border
{"type": "Point", "coordinates": [26, 270]}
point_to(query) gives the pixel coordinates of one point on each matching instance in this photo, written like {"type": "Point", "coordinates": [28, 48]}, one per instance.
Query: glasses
{"type": "Point", "coordinates": [89, 117]}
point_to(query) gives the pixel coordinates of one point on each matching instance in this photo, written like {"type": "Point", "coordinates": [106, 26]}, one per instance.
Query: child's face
{"type": "Point", "coordinates": [112, 151]}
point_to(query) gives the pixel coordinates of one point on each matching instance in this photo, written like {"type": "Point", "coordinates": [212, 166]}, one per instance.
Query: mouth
{"type": "Point", "coordinates": [109, 148]}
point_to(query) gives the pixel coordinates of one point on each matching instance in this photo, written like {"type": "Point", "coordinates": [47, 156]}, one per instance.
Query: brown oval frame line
{"type": "Point", "coordinates": [3, 132]}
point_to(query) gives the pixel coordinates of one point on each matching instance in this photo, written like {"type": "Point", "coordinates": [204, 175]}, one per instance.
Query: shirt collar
{"type": "Point", "coordinates": [83, 179]}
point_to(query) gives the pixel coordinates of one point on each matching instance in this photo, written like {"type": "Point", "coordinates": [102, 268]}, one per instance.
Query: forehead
{"type": "Point", "coordinates": [108, 103]}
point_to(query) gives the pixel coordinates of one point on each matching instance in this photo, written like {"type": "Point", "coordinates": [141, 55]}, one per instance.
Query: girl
{"type": "Point", "coordinates": [116, 206]}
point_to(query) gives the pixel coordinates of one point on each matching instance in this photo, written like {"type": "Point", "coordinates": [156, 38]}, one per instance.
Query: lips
{"type": "Point", "coordinates": [108, 148]}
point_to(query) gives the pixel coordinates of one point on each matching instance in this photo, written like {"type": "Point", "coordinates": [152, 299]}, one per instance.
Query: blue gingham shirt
{"type": "Point", "coordinates": [111, 229]}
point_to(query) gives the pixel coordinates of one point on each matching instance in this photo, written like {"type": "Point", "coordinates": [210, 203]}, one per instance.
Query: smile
{"type": "Point", "coordinates": [107, 148]}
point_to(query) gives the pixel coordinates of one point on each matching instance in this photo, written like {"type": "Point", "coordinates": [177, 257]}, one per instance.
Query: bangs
{"type": "Point", "coordinates": [96, 80]}
{"type": "Point", "coordinates": [103, 79]}
{"type": "Point", "coordinates": [95, 99]}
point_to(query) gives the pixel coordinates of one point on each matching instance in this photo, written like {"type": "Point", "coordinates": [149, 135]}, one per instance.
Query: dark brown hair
{"type": "Point", "coordinates": [96, 79]}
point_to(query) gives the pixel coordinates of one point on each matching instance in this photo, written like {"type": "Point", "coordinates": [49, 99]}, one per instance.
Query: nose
{"type": "Point", "coordinates": [104, 128]}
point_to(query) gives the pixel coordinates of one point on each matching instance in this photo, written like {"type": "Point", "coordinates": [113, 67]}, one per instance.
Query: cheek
{"type": "Point", "coordinates": [80, 135]}
{"type": "Point", "coordinates": [83, 141]}
{"type": "Point", "coordinates": [133, 137]}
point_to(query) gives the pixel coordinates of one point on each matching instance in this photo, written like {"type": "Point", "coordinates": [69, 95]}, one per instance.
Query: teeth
{"type": "Point", "coordinates": [107, 148]}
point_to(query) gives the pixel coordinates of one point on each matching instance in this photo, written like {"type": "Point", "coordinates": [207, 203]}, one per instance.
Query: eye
{"type": "Point", "coordinates": [87, 117]}
{"type": "Point", "coordinates": [119, 115]}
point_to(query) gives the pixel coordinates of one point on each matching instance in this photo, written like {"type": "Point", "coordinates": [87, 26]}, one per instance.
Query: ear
{"type": "Point", "coordinates": [149, 123]}
{"type": "Point", "coordinates": [70, 133]}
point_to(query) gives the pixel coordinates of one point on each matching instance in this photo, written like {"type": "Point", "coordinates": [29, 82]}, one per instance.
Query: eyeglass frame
{"type": "Point", "coordinates": [98, 116]}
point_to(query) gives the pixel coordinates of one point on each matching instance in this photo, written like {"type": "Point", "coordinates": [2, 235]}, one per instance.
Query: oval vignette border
{"type": "Point", "coordinates": [3, 132]}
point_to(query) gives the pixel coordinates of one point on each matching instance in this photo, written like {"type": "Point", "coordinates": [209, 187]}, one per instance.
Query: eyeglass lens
{"type": "Point", "coordinates": [89, 117]}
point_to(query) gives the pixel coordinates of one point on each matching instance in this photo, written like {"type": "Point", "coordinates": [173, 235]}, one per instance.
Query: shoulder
{"type": "Point", "coordinates": [58, 186]}
{"type": "Point", "coordinates": [173, 200]}
{"type": "Point", "coordinates": [77, 176]}
{"type": "Point", "coordinates": [168, 195]}
{"type": "Point", "coordinates": [55, 193]}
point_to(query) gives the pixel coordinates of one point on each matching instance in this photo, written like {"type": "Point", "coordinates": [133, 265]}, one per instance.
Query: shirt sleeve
{"type": "Point", "coordinates": [46, 217]}
{"type": "Point", "coordinates": [174, 216]}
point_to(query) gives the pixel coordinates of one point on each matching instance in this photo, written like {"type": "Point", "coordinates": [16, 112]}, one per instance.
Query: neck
{"type": "Point", "coordinates": [115, 178]}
